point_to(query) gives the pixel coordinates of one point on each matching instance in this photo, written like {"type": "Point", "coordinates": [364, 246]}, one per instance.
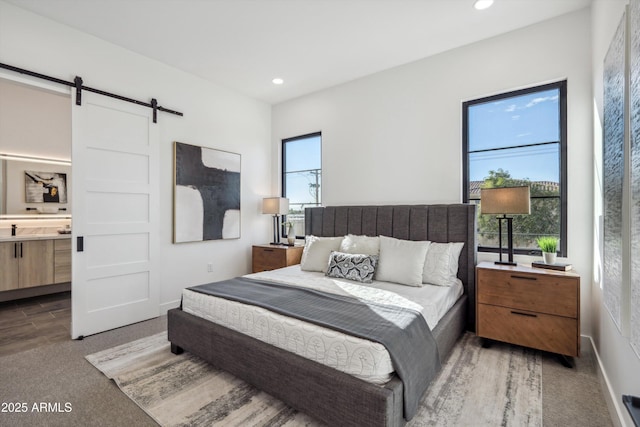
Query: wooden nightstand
{"type": "Point", "coordinates": [532, 307]}
{"type": "Point", "coordinates": [270, 257]}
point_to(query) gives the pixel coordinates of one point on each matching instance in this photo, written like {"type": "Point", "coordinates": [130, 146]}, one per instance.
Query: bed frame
{"type": "Point", "coordinates": [331, 396]}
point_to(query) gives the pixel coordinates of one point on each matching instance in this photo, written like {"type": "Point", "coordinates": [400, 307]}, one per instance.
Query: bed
{"type": "Point", "coordinates": [332, 396]}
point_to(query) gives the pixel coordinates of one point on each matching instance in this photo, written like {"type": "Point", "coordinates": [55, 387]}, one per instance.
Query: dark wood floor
{"type": "Point", "coordinates": [33, 322]}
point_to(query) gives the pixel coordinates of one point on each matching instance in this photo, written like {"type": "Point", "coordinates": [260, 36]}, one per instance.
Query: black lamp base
{"type": "Point", "coordinates": [276, 230]}
{"type": "Point", "coordinates": [509, 240]}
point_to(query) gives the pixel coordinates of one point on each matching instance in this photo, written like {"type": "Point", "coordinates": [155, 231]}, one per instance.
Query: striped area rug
{"type": "Point", "coordinates": [497, 386]}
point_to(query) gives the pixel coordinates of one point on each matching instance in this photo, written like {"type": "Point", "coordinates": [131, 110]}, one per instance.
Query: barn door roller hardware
{"type": "Point", "coordinates": [79, 86]}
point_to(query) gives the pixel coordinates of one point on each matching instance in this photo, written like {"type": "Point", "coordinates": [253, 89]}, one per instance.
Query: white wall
{"type": "Point", "coordinates": [34, 121]}
{"type": "Point", "coordinates": [620, 364]}
{"type": "Point", "coordinates": [396, 136]}
{"type": "Point", "coordinates": [213, 117]}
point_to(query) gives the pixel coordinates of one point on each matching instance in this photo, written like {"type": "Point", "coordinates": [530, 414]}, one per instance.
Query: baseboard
{"type": "Point", "coordinates": [616, 411]}
{"type": "Point", "coordinates": [164, 307]}
{"type": "Point", "coordinates": [36, 291]}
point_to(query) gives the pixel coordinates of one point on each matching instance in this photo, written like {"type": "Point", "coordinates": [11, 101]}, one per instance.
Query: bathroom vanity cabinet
{"type": "Point", "coordinates": [31, 262]}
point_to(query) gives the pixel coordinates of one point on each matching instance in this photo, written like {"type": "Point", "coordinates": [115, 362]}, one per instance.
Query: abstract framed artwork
{"type": "Point", "coordinates": [615, 97]}
{"type": "Point", "coordinates": [634, 135]}
{"type": "Point", "coordinates": [621, 177]}
{"type": "Point", "coordinates": [206, 197]}
{"type": "Point", "coordinates": [45, 187]}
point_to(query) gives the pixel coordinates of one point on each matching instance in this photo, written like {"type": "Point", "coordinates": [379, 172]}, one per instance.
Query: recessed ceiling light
{"type": "Point", "coordinates": [277, 81]}
{"type": "Point", "coordinates": [482, 4]}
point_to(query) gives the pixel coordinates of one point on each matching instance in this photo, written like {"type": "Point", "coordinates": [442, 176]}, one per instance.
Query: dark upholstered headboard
{"type": "Point", "coordinates": [437, 223]}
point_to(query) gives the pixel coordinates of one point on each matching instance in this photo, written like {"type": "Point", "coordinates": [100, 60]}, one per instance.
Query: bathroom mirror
{"type": "Point", "coordinates": [34, 187]}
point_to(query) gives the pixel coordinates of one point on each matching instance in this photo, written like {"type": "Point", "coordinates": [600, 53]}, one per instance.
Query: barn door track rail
{"type": "Point", "coordinates": [77, 83]}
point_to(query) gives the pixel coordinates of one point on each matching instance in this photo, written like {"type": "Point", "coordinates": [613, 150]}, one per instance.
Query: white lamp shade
{"type": "Point", "coordinates": [506, 200]}
{"type": "Point", "coordinates": [275, 205]}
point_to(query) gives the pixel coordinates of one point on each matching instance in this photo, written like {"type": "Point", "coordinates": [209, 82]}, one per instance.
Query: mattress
{"type": "Point", "coordinates": [361, 358]}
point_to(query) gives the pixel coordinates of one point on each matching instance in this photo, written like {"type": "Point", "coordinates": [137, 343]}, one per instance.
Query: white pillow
{"type": "Point", "coordinates": [315, 255]}
{"type": "Point", "coordinates": [441, 264]}
{"type": "Point", "coordinates": [352, 244]}
{"type": "Point", "coordinates": [401, 261]}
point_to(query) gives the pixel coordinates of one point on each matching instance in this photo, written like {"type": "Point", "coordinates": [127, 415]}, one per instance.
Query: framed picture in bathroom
{"type": "Point", "coordinates": [45, 187]}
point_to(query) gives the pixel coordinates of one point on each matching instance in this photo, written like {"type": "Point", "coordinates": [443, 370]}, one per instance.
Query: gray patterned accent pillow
{"type": "Point", "coordinates": [358, 267]}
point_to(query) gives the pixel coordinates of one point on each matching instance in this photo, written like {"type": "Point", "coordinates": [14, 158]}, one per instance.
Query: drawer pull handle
{"type": "Point", "coordinates": [268, 250]}
{"type": "Point", "coordinates": [524, 314]}
{"type": "Point", "coordinates": [513, 276]}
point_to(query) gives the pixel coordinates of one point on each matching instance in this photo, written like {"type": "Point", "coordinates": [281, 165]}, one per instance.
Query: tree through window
{"type": "Point", "coordinates": [513, 139]}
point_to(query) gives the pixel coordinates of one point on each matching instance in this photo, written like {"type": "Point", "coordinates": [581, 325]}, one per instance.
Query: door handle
{"type": "Point", "coordinates": [21, 252]}
{"type": "Point", "coordinates": [80, 244]}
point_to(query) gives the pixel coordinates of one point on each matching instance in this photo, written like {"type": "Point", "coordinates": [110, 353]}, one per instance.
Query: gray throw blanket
{"type": "Point", "coordinates": [403, 332]}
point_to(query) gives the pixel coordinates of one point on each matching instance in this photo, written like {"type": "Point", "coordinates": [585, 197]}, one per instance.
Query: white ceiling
{"type": "Point", "coordinates": [311, 44]}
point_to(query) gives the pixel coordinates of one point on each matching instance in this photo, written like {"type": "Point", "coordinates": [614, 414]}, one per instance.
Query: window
{"type": "Point", "coordinates": [301, 176]}
{"type": "Point", "coordinates": [519, 138]}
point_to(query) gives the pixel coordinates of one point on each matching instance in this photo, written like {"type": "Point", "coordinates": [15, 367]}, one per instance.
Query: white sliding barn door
{"type": "Point", "coordinates": [115, 185]}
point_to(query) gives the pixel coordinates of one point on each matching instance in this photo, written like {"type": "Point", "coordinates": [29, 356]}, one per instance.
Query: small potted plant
{"type": "Point", "coordinates": [549, 247]}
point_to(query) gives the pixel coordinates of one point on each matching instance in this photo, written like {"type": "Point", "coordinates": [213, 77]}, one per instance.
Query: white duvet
{"type": "Point", "coordinates": [364, 359]}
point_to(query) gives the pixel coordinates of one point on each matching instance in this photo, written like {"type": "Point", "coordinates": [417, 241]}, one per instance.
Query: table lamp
{"type": "Point", "coordinates": [275, 206]}
{"type": "Point", "coordinates": [505, 201]}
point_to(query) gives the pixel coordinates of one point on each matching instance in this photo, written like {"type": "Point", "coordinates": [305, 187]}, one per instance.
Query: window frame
{"type": "Point", "coordinates": [283, 168]}
{"type": "Point", "coordinates": [561, 86]}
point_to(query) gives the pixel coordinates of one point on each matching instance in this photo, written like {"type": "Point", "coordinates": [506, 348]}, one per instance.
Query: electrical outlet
{"type": "Point", "coordinates": [210, 267]}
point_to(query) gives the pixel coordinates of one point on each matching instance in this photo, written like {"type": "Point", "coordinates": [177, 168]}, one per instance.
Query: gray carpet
{"type": "Point", "coordinates": [477, 386]}
{"type": "Point", "coordinates": [573, 397]}
{"type": "Point", "coordinates": [60, 373]}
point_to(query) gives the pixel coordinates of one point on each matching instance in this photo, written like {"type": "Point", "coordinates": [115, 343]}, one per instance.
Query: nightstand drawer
{"type": "Point", "coordinates": [542, 331]}
{"type": "Point", "coordinates": [267, 257]}
{"type": "Point", "coordinates": [542, 293]}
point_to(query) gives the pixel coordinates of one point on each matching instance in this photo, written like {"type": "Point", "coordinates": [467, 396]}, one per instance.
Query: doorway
{"type": "Point", "coordinates": [35, 264]}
